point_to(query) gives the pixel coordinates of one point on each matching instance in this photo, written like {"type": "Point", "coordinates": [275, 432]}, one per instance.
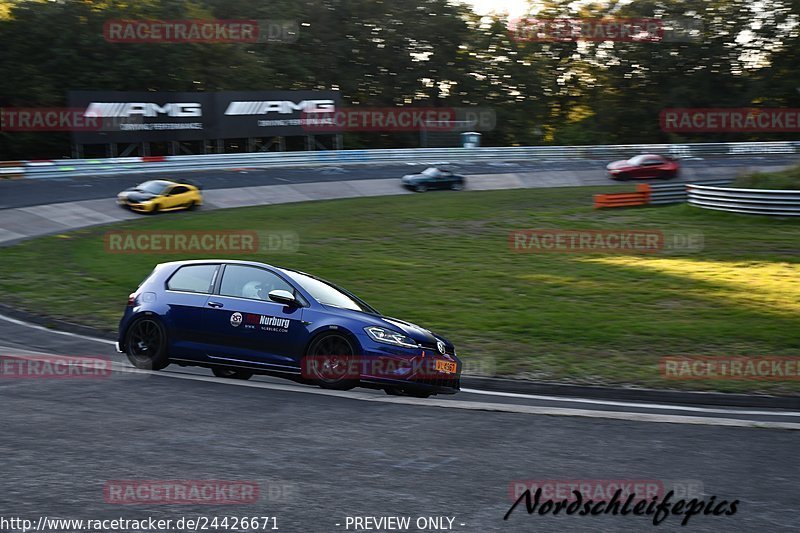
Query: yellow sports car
{"type": "Point", "coordinates": [161, 195]}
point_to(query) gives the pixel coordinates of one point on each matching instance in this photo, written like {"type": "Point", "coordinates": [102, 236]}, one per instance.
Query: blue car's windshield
{"type": "Point", "coordinates": [328, 294]}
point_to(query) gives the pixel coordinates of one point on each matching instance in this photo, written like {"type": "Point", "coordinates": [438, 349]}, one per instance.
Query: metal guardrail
{"type": "Point", "coordinates": [132, 165]}
{"type": "Point", "coordinates": [751, 201]}
{"type": "Point", "coordinates": [673, 193]}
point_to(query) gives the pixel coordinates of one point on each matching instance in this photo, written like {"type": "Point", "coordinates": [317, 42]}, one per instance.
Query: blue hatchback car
{"type": "Point", "coordinates": [240, 318]}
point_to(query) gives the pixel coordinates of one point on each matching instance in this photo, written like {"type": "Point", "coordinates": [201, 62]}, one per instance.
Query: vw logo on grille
{"type": "Point", "coordinates": [440, 346]}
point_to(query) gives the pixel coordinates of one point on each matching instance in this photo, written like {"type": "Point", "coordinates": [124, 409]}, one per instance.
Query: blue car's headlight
{"type": "Point", "coordinates": [389, 336]}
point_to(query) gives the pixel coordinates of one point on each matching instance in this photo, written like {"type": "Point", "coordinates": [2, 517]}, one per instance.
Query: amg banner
{"type": "Point", "coordinates": [144, 116]}
{"type": "Point", "coordinates": [263, 113]}
{"type": "Point", "coordinates": [131, 117]}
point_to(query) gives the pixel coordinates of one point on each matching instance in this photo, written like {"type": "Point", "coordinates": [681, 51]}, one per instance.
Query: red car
{"type": "Point", "coordinates": [643, 166]}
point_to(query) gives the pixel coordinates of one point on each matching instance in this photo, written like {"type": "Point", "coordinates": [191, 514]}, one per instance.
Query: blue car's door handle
{"type": "Point", "coordinates": [215, 304]}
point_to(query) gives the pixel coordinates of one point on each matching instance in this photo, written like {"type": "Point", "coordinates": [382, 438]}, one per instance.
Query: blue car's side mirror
{"type": "Point", "coordinates": [283, 297]}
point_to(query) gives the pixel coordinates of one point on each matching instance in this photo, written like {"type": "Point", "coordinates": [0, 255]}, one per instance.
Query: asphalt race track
{"type": "Point", "coordinates": [319, 457]}
{"type": "Point", "coordinates": [39, 207]}
{"type": "Point", "coordinates": [29, 192]}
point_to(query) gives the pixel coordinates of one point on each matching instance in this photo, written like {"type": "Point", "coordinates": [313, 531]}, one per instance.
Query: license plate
{"type": "Point", "coordinates": [446, 366]}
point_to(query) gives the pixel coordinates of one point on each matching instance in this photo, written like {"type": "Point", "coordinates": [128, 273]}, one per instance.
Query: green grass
{"type": "Point", "coordinates": [788, 179]}
{"type": "Point", "coordinates": [443, 260]}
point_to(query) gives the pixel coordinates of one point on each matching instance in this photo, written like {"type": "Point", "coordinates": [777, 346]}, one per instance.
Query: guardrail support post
{"type": "Point", "coordinates": [645, 189]}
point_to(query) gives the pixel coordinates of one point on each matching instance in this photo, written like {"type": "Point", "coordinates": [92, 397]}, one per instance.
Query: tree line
{"type": "Point", "coordinates": [431, 53]}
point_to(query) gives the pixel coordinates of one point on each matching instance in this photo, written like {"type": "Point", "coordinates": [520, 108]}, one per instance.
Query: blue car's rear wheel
{"type": "Point", "coordinates": [146, 344]}
{"type": "Point", "coordinates": [328, 362]}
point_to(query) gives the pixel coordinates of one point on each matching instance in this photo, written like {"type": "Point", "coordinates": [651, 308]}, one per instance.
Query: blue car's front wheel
{"type": "Point", "coordinates": [329, 362]}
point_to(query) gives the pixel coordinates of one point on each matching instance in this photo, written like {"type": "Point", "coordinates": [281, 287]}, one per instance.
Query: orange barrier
{"type": "Point", "coordinates": [12, 169]}
{"type": "Point", "coordinates": [625, 199]}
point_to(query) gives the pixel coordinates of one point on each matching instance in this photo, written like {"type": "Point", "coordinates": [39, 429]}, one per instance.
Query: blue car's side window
{"type": "Point", "coordinates": [251, 283]}
{"type": "Point", "coordinates": [193, 278]}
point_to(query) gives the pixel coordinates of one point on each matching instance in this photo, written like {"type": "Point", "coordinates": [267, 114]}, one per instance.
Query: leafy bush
{"type": "Point", "coordinates": [784, 179]}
